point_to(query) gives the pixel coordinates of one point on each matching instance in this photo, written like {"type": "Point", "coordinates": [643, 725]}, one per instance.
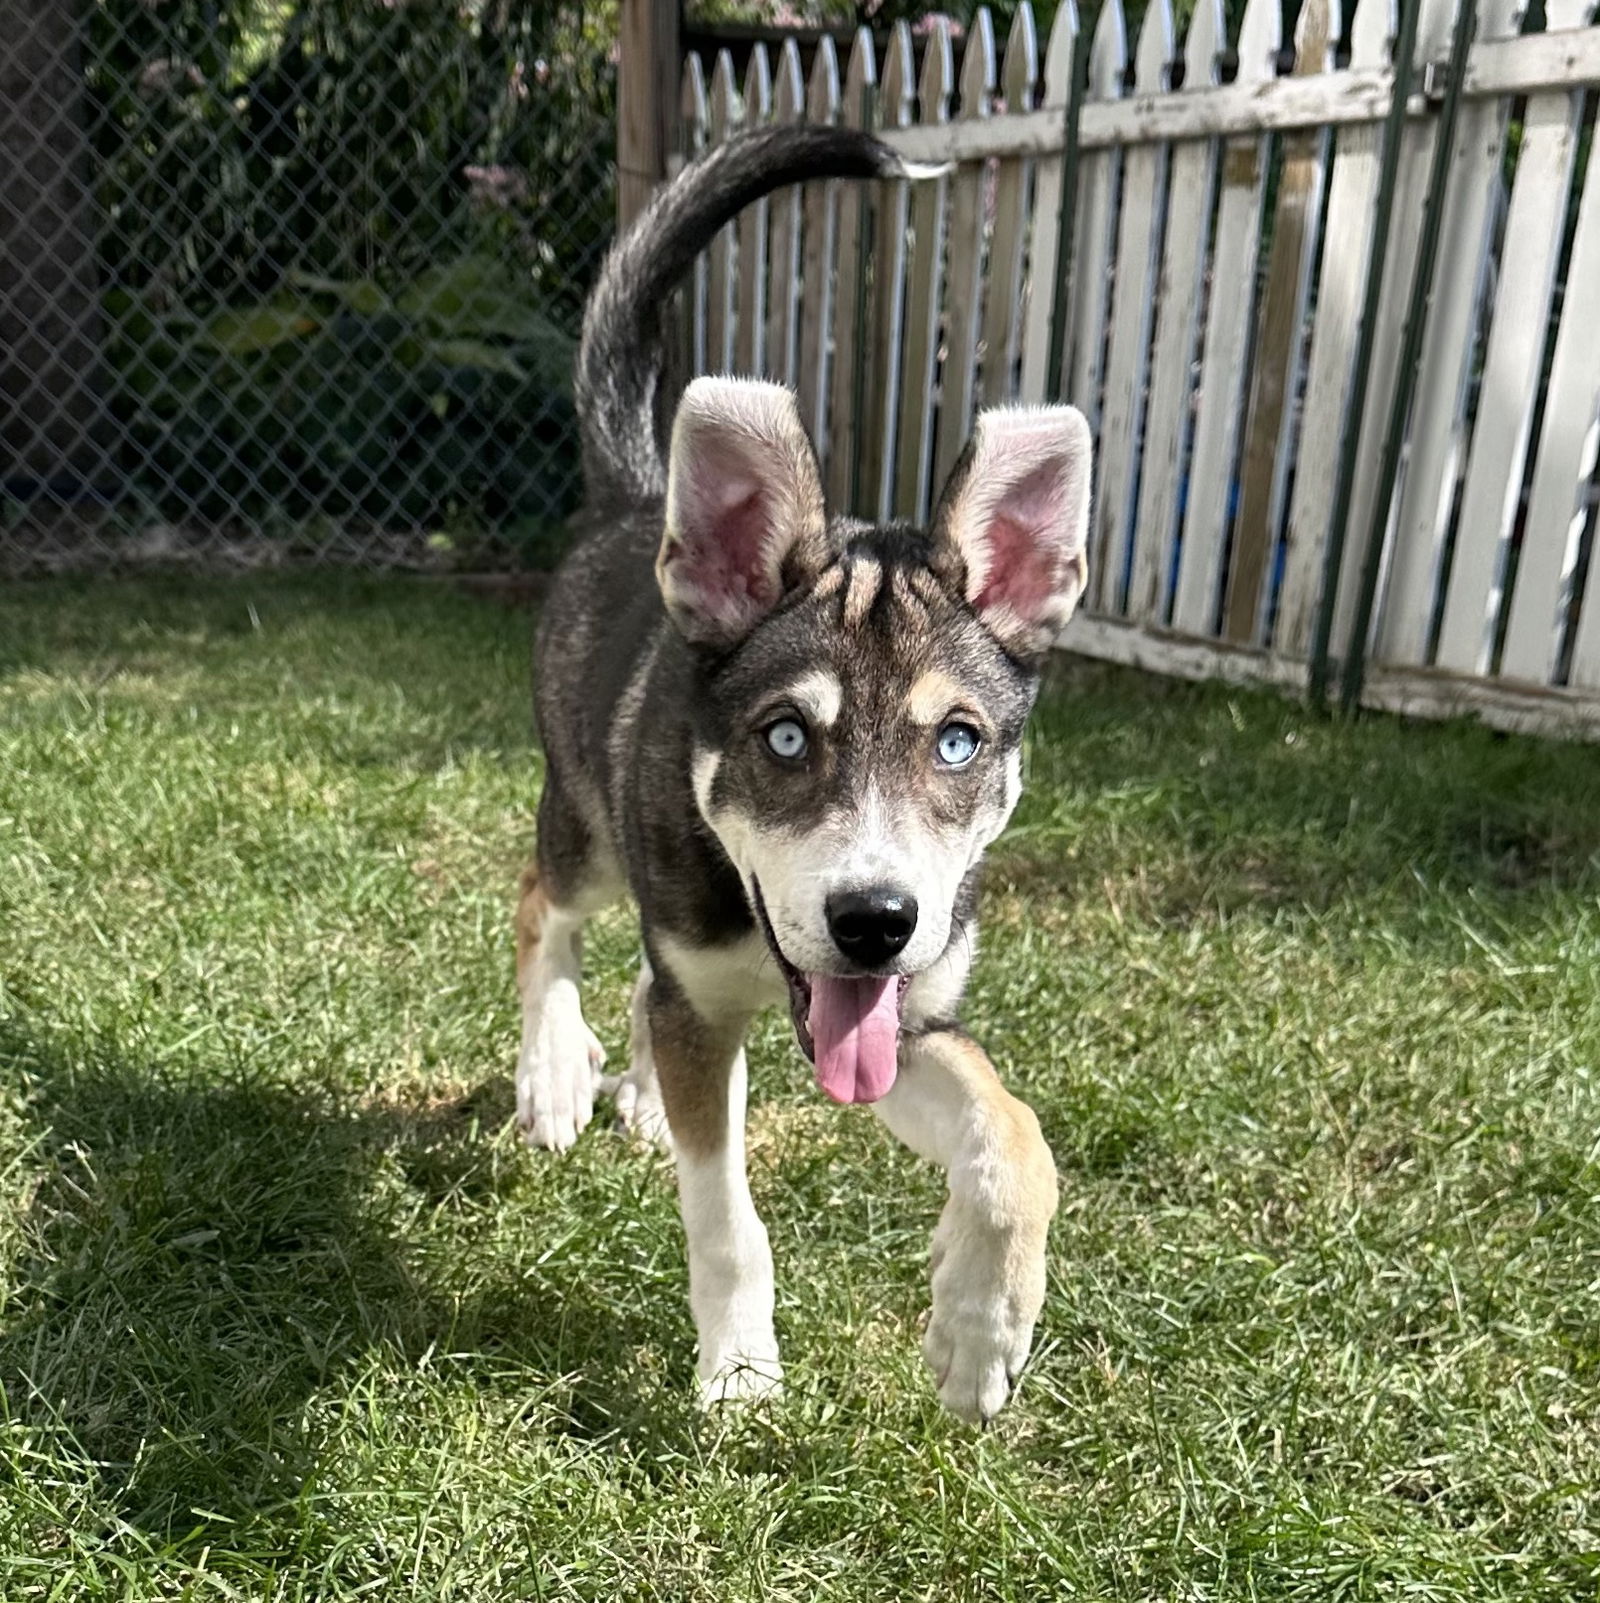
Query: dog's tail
{"type": "Point", "coordinates": [619, 359]}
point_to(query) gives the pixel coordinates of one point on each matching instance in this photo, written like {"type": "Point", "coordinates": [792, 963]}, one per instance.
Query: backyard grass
{"type": "Point", "coordinates": [1309, 1012]}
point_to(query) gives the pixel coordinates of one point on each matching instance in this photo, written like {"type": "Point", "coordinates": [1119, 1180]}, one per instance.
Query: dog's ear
{"type": "Point", "coordinates": [1012, 527]}
{"type": "Point", "coordinates": [745, 518]}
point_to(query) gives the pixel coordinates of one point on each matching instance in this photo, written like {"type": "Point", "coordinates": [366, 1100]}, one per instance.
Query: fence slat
{"type": "Point", "coordinates": [695, 124]}
{"type": "Point", "coordinates": [844, 433]}
{"type": "Point", "coordinates": [1144, 176]}
{"type": "Point", "coordinates": [1049, 180]}
{"type": "Point", "coordinates": [926, 276]}
{"type": "Point", "coordinates": [1435, 25]}
{"type": "Point", "coordinates": [1438, 430]}
{"type": "Point", "coordinates": [750, 347]}
{"type": "Point", "coordinates": [1523, 66]}
{"type": "Point", "coordinates": [788, 104]}
{"type": "Point", "coordinates": [1566, 458]}
{"type": "Point", "coordinates": [1233, 271]}
{"type": "Point", "coordinates": [1527, 274]}
{"type": "Point", "coordinates": [816, 274]}
{"type": "Point", "coordinates": [1192, 182]}
{"type": "Point", "coordinates": [720, 313]}
{"type": "Point", "coordinates": [880, 389]}
{"type": "Point", "coordinates": [1098, 172]}
{"type": "Point", "coordinates": [1280, 343]}
{"type": "Point", "coordinates": [964, 285]}
{"type": "Point", "coordinates": [1347, 245]}
{"type": "Point", "coordinates": [1013, 181]}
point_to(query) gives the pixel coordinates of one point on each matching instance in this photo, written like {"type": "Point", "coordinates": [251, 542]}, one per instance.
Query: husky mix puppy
{"type": "Point", "coordinates": [790, 735]}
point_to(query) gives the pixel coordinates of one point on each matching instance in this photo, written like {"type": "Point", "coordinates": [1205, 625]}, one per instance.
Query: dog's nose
{"type": "Point", "coordinates": [871, 926]}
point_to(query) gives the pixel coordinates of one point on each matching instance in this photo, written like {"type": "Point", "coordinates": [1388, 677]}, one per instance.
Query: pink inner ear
{"type": "Point", "coordinates": [1026, 544]}
{"type": "Point", "coordinates": [725, 534]}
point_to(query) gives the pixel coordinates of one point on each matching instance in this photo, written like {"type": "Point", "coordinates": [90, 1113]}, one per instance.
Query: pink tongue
{"type": "Point", "coordinates": [855, 1035]}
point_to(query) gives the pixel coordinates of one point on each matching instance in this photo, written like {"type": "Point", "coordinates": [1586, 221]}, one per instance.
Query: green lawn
{"type": "Point", "coordinates": [1309, 1012]}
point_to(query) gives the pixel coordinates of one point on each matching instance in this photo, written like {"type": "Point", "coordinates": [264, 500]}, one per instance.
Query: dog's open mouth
{"type": "Point", "coordinates": [849, 1027]}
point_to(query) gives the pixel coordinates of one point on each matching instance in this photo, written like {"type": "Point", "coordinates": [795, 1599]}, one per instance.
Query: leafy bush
{"type": "Point", "coordinates": [345, 249]}
{"type": "Point", "coordinates": [450, 397]}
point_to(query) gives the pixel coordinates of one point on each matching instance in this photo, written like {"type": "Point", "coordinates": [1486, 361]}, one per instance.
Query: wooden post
{"type": "Point", "coordinates": [647, 97]}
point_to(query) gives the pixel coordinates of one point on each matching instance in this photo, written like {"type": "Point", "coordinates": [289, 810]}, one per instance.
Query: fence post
{"type": "Point", "coordinates": [647, 98]}
{"type": "Point", "coordinates": [52, 421]}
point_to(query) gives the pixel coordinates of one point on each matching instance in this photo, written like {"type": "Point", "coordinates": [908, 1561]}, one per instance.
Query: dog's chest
{"type": "Point", "coordinates": [724, 980]}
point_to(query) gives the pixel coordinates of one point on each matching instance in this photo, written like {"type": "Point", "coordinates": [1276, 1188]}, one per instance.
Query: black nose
{"type": "Point", "coordinates": [870, 926]}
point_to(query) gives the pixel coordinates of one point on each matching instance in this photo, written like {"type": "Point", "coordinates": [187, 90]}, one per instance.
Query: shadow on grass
{"type": "Point", "coordinates": [201, 1261]}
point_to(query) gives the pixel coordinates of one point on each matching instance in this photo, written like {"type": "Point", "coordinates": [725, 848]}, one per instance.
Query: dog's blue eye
{"type": "Point", "coordinates": [787, 738]}
{"type": "Point", "coordinates": [958, 744]}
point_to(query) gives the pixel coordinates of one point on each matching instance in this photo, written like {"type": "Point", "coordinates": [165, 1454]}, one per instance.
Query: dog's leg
{"type": "Point", "coordinates": [558, 1068]}
{"type": "Point", "coordinates": [702, 1072]}
{"type": "Point", "coordinates": [989, 1248]}
{"type": "Point", "coordinates": [638, 1092]}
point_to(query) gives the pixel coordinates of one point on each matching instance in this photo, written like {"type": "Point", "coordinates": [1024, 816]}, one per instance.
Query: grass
{"type": "Point", "coordinates": [1309, 1012]}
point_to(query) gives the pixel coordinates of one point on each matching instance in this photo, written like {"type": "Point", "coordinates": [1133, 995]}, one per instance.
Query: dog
{"type": "Point", "coordinates": [791, 736]}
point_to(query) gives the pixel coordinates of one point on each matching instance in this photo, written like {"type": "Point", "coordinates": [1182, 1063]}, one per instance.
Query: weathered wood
{"type": "Point", "coordinates": [1504, 64]}
{"type": "Point", "coordinates": [1568, 444]}
{"type": "Point", "coordinates": [816, 286]}
{"type": "Point", "coordinates": [964, 273]}
{"type": "Point", "coordinates": [1159, 651]}
{"type": "Point", "coordinates": [1144, 196]}
{"type": "Point", "coordinates": [647, 89]}
{"type": "Point", "coordinates": [881, 385]}
{"type": "Point", "coordinates": [726, 120]}
{"type": "Point", "coordinates": [1192, 184]}
{"type": "Point", "coordinates": [1435, 25]}
{"type": "Point", "coordinates": [1098, 175]}
{"type": "Point", "coordinates": [1411, 692]}
{"type": "Point", "coordinates": [1044, 266]}
{"type": "Point", "coordinates": [926, 277]}
{"type": "Point", "coordinates": [783, 296]}
{"type": "Point", "coordinates": [1438, 430]}
{"type": "Point", "coordinates": [1013, 183]}
{"type": "Point", "coordinates": [1233, 272]}
{"type": "Point", "coordinates": [1279, 344]}
{"type": "Point", "coordinates": [694, 129]}
{"type": "Point", "coordinates": [1516, 709]}
{"type": "Point", "coordinates": [1347, 248]}
{"type": "Point", "coordinates": [750, 343]}
{"type": "Point", "coordinates": [1534, 228]}
{"type": "Point", "coordinates": [1362, 95]}
{"type": "Point", "coordinates": [849, 290]}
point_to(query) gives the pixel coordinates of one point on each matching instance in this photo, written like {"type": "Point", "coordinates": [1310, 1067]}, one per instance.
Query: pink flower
{"type": "Point", "coordinates": [496, 188]}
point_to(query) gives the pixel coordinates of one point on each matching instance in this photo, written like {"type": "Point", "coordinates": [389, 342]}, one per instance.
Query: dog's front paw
{"type": "Point", "coordinates": [640, 1113]}
{"type": "Point", "coordinates": [558, 1073]}
{"type": "Point", "coordinates": [986, 1298]}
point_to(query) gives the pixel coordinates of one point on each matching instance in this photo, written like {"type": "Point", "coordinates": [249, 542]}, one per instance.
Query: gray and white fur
{"type": "Point", "coordinates": [790, 735]}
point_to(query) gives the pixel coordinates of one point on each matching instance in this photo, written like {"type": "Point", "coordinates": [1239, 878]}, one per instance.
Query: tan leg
{"type": "Point", "coordinates": [948, 1105]}
{"type": "Point", "coordinates": [701, 1069]}
{"type": "Point", "coordinates": [559, 1065]}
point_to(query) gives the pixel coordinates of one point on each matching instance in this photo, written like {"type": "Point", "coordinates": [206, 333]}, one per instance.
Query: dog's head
{"type": "Point", "coordinates": [863, 690]}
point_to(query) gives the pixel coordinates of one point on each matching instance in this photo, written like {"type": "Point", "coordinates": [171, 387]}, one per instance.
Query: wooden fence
{"type": "Point", "coordinates": [1187, 260]}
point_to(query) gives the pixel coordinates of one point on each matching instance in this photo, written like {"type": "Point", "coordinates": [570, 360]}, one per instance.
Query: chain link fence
{"type": "Point", "coordinates": [295, 279]}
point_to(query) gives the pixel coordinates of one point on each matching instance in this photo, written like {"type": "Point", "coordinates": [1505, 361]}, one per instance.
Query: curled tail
{"type": "Point", "coordinates": [619, 359]}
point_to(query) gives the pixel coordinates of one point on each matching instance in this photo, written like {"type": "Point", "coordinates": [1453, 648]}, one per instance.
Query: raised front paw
{"type": "Point", "coordinates": [987, 1293]}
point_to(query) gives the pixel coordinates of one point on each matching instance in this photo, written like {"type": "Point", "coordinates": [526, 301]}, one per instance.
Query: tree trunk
{"type": "Point", "coordinates": [53, 425]}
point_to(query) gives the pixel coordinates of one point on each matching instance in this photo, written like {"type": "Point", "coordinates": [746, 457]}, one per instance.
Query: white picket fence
{"type": "Point", "coordinates": [1213, 298]}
